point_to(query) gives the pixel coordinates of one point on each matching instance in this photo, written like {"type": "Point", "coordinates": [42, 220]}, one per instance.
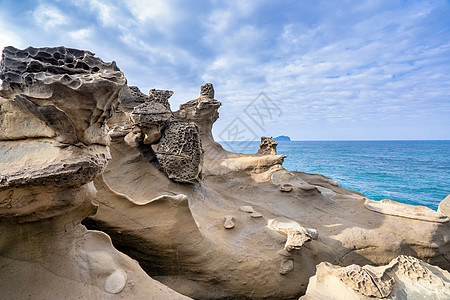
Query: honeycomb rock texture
{"type": "Point", "coordinates": [268, 146]}
{"type": "Point", "coordinates": [161, 96]}
{"type": "Point", "coordinates": [132, 97]}
{"type": "Point", "coordinates": [207, 91]}
{"type": "Point", "coordinates": [54, 105]}
{"type": "Point", "coordinates": [180, 152]}
{"type": "Point", "coordinates": [405, 277]}
{"type": "Point", "coordinates": [71, 91]}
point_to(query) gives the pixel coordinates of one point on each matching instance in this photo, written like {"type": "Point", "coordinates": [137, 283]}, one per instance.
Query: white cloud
{"type": "Point", "coordinates": [322, 62]}
{"type": "Point", "coordinates": [81, 35]}
{"type": "Point", "coordinates": [49, 16]}
{"type": "Point", "coordinates": [159, 12]}
{"type": "Point", "coordinates": [108, 13]}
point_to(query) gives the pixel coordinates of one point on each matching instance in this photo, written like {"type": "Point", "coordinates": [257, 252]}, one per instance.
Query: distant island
{"type": "Point", "coordinates": [282, 138]}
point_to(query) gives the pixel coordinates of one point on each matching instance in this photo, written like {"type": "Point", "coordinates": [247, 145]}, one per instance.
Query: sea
{"type": "Point", "coordinates": [412, 172]}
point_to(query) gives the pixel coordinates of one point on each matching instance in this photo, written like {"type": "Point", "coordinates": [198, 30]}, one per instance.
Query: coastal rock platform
{"type": "Point", "coordinates": [107, 193]}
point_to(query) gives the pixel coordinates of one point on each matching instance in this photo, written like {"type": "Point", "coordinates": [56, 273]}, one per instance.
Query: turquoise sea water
{"type": "Point", "coordinates": [413, 172]}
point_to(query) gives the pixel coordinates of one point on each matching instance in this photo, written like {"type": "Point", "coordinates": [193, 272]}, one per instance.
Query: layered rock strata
{"type": "Point", "coordinates": [54, 105]}
{"type": "Point", "coordinates": [243, 227]}
{"type": "Point", "coordinates": [249, 228]}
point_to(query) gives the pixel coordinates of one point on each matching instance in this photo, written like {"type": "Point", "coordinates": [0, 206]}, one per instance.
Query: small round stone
{"type": "Point", "coordinates": [115, 282]}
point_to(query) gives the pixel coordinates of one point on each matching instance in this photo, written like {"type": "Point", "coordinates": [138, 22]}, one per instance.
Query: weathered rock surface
{"type": "Point", "coordinates": [180, 152]}
{"type": "Point", "coordinates": [296, 234]}
{"type": "Point", "coordinates": [54, 106]}
{"type": "Point", "coordinates": [405, 277]}
{"type": "Point", "coordinates": [394, 208]}
{"type": "Point", "coordinates": [143, 120]}
{"type": "Point", "coordinates": [203, 111]}
{"type": "Point", "coordinates": [268, 146]}
{"type": "Point", "coordinates": [232, 234]}
{"type": "Point", "coordinates": [250, 259]}
{"type": "Point", "coordinates": [48, 81]}
{"type": "Point", "coordinates": [444, 206]}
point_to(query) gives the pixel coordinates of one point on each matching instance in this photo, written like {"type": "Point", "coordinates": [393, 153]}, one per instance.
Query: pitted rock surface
{"type": "Point", "coordinates": [268, 146]}
{"type": "Point", "coordinates": [72, 91]}
{"type": "Point", "coordinates": [160, 96]}
{"type": "Point", "coordinates": [207, 90]}
{"type": "Point", "coordinates": [180, 152]}
{"type": "Point", "coordinates": [203, 110]}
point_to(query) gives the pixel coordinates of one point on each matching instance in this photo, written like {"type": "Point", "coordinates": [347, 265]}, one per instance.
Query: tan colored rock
{"type": "Point", "coordinates": [444, 206]}
{"type": "Point", "coordinates": [228, 222]}
{"type": "Point", "coordinates": [394, 208]}
{"type": "Point", "coordinates": [256, 215]}
{"type": "Point", "coordinates": [180, 152]}
{"type": "Point", "coordinates": [247, 209]}
{"type": "Point", "coordinates": [249, 255]}
{"type": "Point", "coordinates": [296, 234]}
{"type": "Point", "coordinates": [268, 146]}
{"type": "Point", "coordinates": [286, 187]}
{"type": "Point", "coordinates": [46, 187]}
{"type": "Point", "coordinates": [47, 81]}
{"type": "Point", "coordinates": [203, 112]}
{"type": "Point", "coordinates": [405, 277]}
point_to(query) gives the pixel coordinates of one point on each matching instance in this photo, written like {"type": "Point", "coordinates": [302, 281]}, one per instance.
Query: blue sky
{"type": "Point", "coordinates": [333, 70]}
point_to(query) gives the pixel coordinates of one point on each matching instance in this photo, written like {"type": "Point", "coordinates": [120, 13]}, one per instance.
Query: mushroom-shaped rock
{"type": "Point", "coordinates": [297, 235]}
{"type": "Point", "coordinates": [151, 118]}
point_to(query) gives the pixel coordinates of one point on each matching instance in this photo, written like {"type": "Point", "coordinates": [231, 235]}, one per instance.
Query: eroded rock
{"type": "Point", "coordinates": [444, 206]}
{"type": "Point", "coordinates": [268, 146]}
{"type": "Point", "coordinates": [46, 187]}
{"type": "Point", "coordinates": [405, 277]}
{"type": "Point", "coordinates": [180, 152]}
{"type": "Point", "coordinates": [228, 222]}
{"type": "Point", "coordinates": [394, 208]}
{"type": "Point", "coordinates": [48, 81]}
{"type": "Point", "coordinates": [296, 234]}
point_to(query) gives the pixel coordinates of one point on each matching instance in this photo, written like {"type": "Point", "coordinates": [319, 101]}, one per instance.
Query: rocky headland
{"type": "Point", "coordinates": [106, 193]}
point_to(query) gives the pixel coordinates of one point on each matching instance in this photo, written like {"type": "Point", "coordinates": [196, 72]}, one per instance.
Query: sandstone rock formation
{"type": "Point", "coordinates": [142, 121]}
{"type": "Point", "coordinates": [54, 104]}
{"type": "Point", "coordinates": [180, 152]}
{"type": "Point", "coordinates": [444, 206]}
{"type": "Point", "coordinates": [405, 277]}
{"type": "Point", "coordinates": [268, 146]}
{"type": "Point", "coordinates": [235, 234]}
{"type": "Point", "coordinates": [203, 111]}
{"type": "Point", "coordinates": [245, 227]}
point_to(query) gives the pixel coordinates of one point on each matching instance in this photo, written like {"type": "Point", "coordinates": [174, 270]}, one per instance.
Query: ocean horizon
{"type": "Point", "coordinates": [409, 171]}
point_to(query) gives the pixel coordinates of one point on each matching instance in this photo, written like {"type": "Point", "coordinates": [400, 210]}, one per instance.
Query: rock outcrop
{"type": "Point", "coordinates": [143, 121]}
{"type": "Point", "coordinates": [405, 277]}
{"type": "Point", "coordinates": [268, 146]}
{"type": "Point", "coordinates": [180, 152]}
{"type": "Point", "coordinates": [54, 105]}
{"type": "Point", "coordinates": [245, 228]}
{"type": "Point", "coordinates": [203, 111]}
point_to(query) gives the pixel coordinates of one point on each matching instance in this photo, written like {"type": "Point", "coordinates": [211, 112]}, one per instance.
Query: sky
{"type": "Point", "coordinates": [312, 70]}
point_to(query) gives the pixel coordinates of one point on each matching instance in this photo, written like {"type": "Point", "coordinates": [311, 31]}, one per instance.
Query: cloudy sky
{"type": "Point", "coordinates": [313, 70]}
